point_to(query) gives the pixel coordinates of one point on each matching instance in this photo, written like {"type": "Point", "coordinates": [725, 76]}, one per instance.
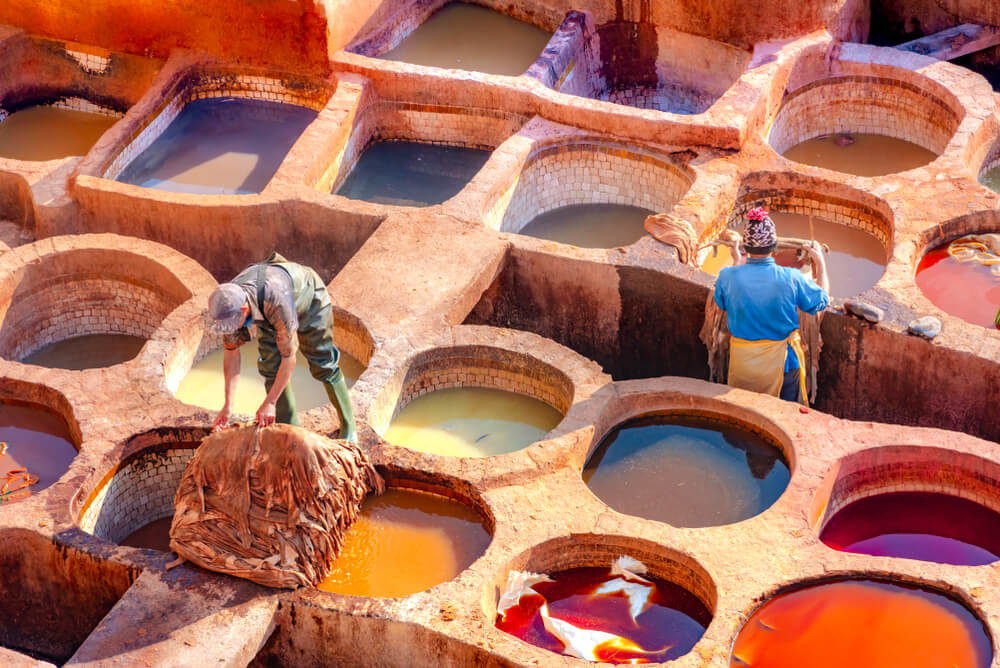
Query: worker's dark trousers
{"type": "Point", "coordinates": [791, 386]}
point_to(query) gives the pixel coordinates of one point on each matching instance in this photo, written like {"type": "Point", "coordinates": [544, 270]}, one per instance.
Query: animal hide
{"type": "Point", "coordinates": [270, 505]}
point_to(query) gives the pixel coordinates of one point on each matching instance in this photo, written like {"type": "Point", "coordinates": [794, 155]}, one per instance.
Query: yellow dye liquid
{"type": "Point", "coordinates": [471, 422]}
{"type": "Point", "coordinates": [404, 542]}
{"type": "Point", "coordinates": [205, 385]}
{"type": "Point", "coordinates": [50, 133]}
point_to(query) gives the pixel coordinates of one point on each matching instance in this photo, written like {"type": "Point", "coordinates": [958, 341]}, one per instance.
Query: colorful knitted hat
{"type": "Point", "coordinates": [760, 231]}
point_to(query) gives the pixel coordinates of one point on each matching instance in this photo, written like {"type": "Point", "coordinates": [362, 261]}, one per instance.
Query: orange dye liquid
{"type": "Point", "coordinates": [405, 542]}
{"type": "Point", "coordinates": [968, 290]}
{"type": "Point", "coordinates": [862, 624]}
{"type": "Point", "coordinates": [668, 628]}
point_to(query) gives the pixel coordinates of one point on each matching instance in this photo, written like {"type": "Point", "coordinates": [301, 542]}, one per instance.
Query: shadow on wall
{"type": "Point", "coordinates": [54, 596]}
{"type": "Point", "coordinates": [639, 322]}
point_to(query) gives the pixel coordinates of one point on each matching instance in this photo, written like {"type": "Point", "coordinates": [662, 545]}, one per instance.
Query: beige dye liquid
{"type": "Point", "coordinates": [469, 37]}
{"type": "Point", "coordinates": [471, 422]}
{"type": "Point", "coordinates": [856, 260]}
{"type": "Point", "coordinates": [869, 155]}
{"type": "Point", "coordinates": [590, 225]}
{"type": "Point", "coordinates": [91, 351]}
{"type": "Point", "coordinates": [405, 542]}
{"type": "Point", "coordinates": [204, 384]}
{"type": "Point", "coordinates": [50, 133]}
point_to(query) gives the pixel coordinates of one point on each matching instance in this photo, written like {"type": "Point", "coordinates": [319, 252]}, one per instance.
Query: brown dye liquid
{"type": "Point", "coordinates": [667, 629]}
{"type": "Point", "coordinates": [37, 440]}
{"type": "Point", "coordinates": [968, 290]}
{"type": "Point", "coordinates": [404, 542]}
{"type": "Point", "coordinates": [92, 351]}
{"type": "Point", "coordinates": [220, 146]}
{"type": "Point", "coordinates": [590, 225]}
{"type": "Point", "coordinates": [50, 133]}
{"type": "Point", "coordinates": [862, 623]}
{"type": "Point", "coordinates": [856, 260]}
{"type": "Point", "coordinates": [991, 179]}
{"type": "Point", "coordinates": [404, 173]}
{"type": "Point", "coordinates": [205, 385]}
{"type": "Point", "coordinates": [686, 471]}
{"type": "Point", "coordinates": [471, 422]}
{"type": "Point", "coordinates": [153, 536]}
{"type": "Point", "coordinates": [868, 155]}
{"type": "Point", "coordinates": [469, 37]}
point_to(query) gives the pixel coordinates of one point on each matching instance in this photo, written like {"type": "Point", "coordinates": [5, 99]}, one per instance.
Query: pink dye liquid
{"type": "Point", "coordinates": [964, 289]}
{"type": "Point", "coordinates": [674, 621]}
{"type": "Point", "coordinates": [37, 440]}
{"type": "Point", "coordinates": [917, 525]}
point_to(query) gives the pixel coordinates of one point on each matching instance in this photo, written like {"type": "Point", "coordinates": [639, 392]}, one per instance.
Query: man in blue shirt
{"type": "Point", "coordinates": [761, 300]}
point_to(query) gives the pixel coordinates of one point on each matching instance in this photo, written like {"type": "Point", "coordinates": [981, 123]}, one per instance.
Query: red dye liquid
{"type": "Point", "coordinates": [917, 525]}
{"type": "Point", "coordinates": [968, 290]}
{"type": "Point", "coordinates": [862, 624]}
{"type": "Point", "coordinates": [37, 440]}
{"type": "Point", "coordinates": [673, 622]}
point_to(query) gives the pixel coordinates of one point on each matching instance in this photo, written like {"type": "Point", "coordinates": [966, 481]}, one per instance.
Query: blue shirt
{"type": "Point", "coordinates": [762, 300]}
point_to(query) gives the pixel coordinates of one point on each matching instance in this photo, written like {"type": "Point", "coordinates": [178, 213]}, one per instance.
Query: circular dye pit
{"type": "Point", "coordinates": [90, 351]}
{"type": "Point", "coordinates": [204, 384]}
{"type": "Point", "coordinates": [917, 525]}
{"type": "Point", "coordinates": [595, 614]}
{"type": "Point", "coordinates": [51, 133]}
{"type": "Point", "coordinates": [38, 446]}
{"type": "Point", "coordinates": [856, 260]}
{"type": "Point", "coordinates": [590, 225]}
{"type": "Point", "coordinates": [220, 146]}
{"type": "Point", "coordinates": [688, 471]}
{"type": "Point", "coordinates": [471, 422]}
{"type": "Point", "coordinates": [407, 173]}
{"type": "Point", "coordinates": [861, 154]}
{"type": "Point", "coordinates": [404, 542]}
{"type": "Point", "coordinates": [862, 623]}
{"type": "Point", "coordinates": [469, 37]}
{"type": "Point", "coordinates": [965, 288]}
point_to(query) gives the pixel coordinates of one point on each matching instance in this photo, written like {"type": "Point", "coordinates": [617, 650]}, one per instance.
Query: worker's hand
{"type": "Point", "coordinates": [221, 420]}
{"type": "Point", "coordinates": [265, 414]}
{"type": "Point", "coordinates": [814, 249]}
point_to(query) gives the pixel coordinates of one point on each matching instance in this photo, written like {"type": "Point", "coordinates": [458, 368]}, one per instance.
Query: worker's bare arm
{"type": "Point", "coordinates": [266, 412]}
{"type": "Point", "coordinates": [819, 262]}
{"type": "Point", "coordinates": [231, 371]}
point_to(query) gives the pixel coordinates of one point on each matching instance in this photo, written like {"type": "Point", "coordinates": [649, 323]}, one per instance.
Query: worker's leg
{"type": "Point", "coordinates": [316, 344]}
{"type": "Point", "coordinates": [791, 386]}
{"type": "Point", "coordinates": [268, 361]}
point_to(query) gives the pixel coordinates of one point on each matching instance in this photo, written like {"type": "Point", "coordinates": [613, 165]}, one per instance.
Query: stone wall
{"type": "Point", "coordinates": [587, 172]}
{"type": "Point", "coordinates": [864, 104]}
{"type": "Point", "coordinates": [81, 290]}
{"type": "Point", "coordinates": [138, 491]}
{"type": "Point", "coordinates": [288, 33]}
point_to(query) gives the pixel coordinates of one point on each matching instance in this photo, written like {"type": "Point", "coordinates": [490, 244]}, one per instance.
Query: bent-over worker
{"type": "Point", "coordinates": [761, 300]}
{"type": "Point", "coordinates": [290, 307]}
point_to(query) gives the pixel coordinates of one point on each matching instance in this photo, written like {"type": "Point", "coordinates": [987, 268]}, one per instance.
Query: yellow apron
{"type": "Point", "coordinates": [759, 366]}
